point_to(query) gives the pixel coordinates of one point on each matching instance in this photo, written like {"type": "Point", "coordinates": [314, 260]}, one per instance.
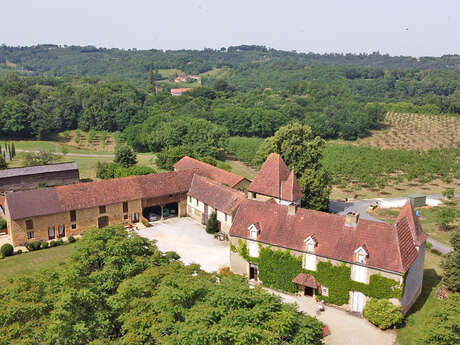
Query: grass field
{"type": "Point", "coordinates": [416, 132]}
{"type": "Point", "coordinates": [29, 262]}
{"type": "Point", "coordinates": [428, 219]}
{"type": "Point", "coordinates": [417, 316]}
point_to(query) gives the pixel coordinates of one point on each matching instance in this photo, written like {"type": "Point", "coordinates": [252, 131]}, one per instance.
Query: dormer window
{"type": "Point", "coordinates": [310, 244]}
{"type": "Point", "coordinates": [361, 254]}
{"type": "Point", "coordinates": [253, 231]}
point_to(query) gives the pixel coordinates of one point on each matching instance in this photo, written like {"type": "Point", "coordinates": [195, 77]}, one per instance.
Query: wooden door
{"type": "Point", "coordinates": [253, 272]}
{"type": "Point", "coordinates": [102, 221]}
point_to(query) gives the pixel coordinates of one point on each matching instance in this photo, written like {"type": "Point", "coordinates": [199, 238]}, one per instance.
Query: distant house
{"type": "Point", "coordinates": [184, 78]}
{"type": "Point", "coordinates": [179, 91]}
{"type": "Point", "coordinates": [15, 179]}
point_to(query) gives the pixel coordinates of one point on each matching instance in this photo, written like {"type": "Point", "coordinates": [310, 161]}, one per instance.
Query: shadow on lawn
{"type": "Point", "coordinates": [430, 280]}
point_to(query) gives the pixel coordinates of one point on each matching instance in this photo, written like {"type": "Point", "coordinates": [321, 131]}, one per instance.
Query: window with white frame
{"type": "Point", "coordinates": [309, 262]}
{"type": "Point", "coordinates": [253, 249]}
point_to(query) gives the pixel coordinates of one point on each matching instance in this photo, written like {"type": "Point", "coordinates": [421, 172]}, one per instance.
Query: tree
{"type": "Point", "coordinates": [212, 227]}
{"type": "Point", "coordinates": [3, 164]}
{"type": "Point", "coordinates": [451, 264]}
{"type": "Point", "coordinates": [6, 250]}
{"type": "Point", "coordinates": [442, 326]}
{"type": "Point", "coordinates": [382, 313]}
{"type": "Point", "coordinates": [302, 152]}
{"type": "Point", "coordinates": [446, 215]}
{"type": "Point", "coordinates": [125, 156]}
{"type": "Point", "coordinates": [41, 157]}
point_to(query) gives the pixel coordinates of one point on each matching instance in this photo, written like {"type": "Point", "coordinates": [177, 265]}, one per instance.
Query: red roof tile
{"type": "Point", "coordinates": [416, 230]}
{"type": "Point", "coordinates": [334, 240]}
{"type": "Point", "coordinates": [306, 280]}
{"type": "Point", "coordinates": [407, 250]}
{"type": "Point", "coordinates": [274, 179]}
{"type": "Point", "coordinates": [214, 194]}
{"type": "Point", "coordinates": [208, 170]}
{"type": "Point", "coordinates": [31, 203]}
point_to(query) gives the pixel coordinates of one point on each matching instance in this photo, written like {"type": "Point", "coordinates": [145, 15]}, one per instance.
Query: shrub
{"type": "Point", "coordinates": [53, 244]}
{"type": "Point", "coordinates": [429, 245]}
{"type": "Point", "coordinates": [72, 239]}
{"type": "Point", "coordinates": [35, 245]}
{"type": "Point", "coordinates": [2, 224]}
{"type": "Point", "coordinates": [382, 313]}
{"type": "Point", "coordinates": [6, 250]}
{"type": "Point", "coordinates": [60, 241]}
{"type": "Point", "coordinates": [45, 245]}
{"type": "Point", "coordinates": [145, 223]}
{"type": "Point", "coordinates": [19, 251]}
{"type": "Point", "coordinates": [212, 227]}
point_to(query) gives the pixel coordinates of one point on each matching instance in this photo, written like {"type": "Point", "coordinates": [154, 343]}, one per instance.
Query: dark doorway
{"type": "Point", "coordinates": [308, 291]}
{"type": "Point", "coordinates": [152, 213]}
{"type": "Point", "coordinates": [253, 272]}
{"type": "Point", "coordinates": [171, 210]}
{"type": "Point", "coordinates": [102, 221]}
{"type": "Point", "coordinates": [204, 219]}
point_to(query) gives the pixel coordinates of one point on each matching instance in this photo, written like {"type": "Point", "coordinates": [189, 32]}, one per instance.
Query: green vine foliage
{"type": "Point", "coordinates": [277, 269]}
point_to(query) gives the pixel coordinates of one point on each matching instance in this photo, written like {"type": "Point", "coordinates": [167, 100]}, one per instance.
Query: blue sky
{"type": "Point", "coordinates": [404, 27]}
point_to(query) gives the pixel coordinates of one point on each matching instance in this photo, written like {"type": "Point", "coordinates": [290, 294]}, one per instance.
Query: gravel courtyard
{"type": "Point", "coordinates": [189, 239]}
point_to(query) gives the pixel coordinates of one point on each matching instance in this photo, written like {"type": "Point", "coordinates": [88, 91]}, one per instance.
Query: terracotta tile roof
{"type": "Point", "coordinates": [290, 189]}
{"type": "Point", "coordinates": [208, 170]}
{"type": "Point", "coordinates": [306, 280]}
{"type": "Point", "coordinates": [31, 203]}
{"type": "Point", "coordinates": [40, 169]}
{"type": "Point", "coordinates": [416, 230]}
{"type": "Point", "coordinates": [407, 250]}
{"type": "Point", "coordinates": [274, 179]}
{"type": "Point", "coordinates": [214, 194]}
{"type": "Point", "coordinates": [2, 202]}
{"type": "Point", "coordinates": [334, 240]}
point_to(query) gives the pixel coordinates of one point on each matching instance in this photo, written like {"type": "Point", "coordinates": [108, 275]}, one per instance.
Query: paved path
{"type": "Point", "coordinates": [360, 206]}
{"type": "Point", "coordinates": [346, 329]}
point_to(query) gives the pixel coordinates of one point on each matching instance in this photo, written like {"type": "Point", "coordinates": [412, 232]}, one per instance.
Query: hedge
{"type": "Point", "coordinates": [277, 269]}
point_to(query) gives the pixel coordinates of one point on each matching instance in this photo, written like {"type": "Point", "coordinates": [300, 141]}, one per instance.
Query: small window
{"type": "Point", "coordinates": [361, 258]}
{"type": "Point", "coordinates": [135, 217]}
{"type": "Point", "coordinates": [61, 230]}
{"type": "Point", "coordinates": [253, 249]}
{"type": "Point", "coordinates": [125, 216]}
{"type": "Point", "coordinates": [197, 202]}
{"type": "Point", "coordinates": [51, 233]}
{"type": "Point", "coordinates": [30, 235]}
{"type": "Point", "coordinates": [29, 224]}
{"type": "Point", "coordinates": [170, 195]}
{"type": "Point", "coordinates": [74, 226]}
{"type": "Point", "coordinates": [102, 209]}
{"type": "Point", "coordinates": [325, 291]}
{"type": "Point", "coordinates": [189, 199]}
{"type": "Point", "coordinates": [310, 247]}
{"type": "Point", "coordinates": [73, 216]}
{"type": "Point", "coordinates": [125, 207]}
{"type": "Point", "coordinates": [225, 217]}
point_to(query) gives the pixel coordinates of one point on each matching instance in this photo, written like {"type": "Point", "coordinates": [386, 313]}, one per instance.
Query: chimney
{"type": "Point", "coordinates": [292, 209]}
{"type": "Point", "coordinates": [351, 219]}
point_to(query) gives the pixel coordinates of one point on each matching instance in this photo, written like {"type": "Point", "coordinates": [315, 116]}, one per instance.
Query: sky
{"type": "Point", "coordinates": [404, 27]}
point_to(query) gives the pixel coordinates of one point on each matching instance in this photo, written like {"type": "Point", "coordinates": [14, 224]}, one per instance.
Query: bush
{"type": "Point", "coordinates": [212, 227]}
{"type": "Point", "coordinates": [429, 245]}
{"type": "Point", "coordinates": [6, 250]}
{"type": "Point", "coordinates": [2, 224]}
{"type": "Point", "coordinates": [35, 245]}
{"type": "Point", "coordinates": [60, 241]}
{"type": "Point", "coordinates": [382, 313]}
{"type": "Point", "coordinates": [53, 244]}
{"type": "Point", "coordinates": [45, 245]}
{"type": "Point", "coordinates": [19, 251]}
{"type": "Point", "coordinates": [72, 239]}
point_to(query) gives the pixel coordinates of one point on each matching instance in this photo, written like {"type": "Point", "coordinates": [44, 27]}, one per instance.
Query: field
{"type": "Point", "coordinates": [29, 262]}
{"type": "Point", "coordinates": [416, 132]}
{"type": "Point", "coordinates": [428, 219]}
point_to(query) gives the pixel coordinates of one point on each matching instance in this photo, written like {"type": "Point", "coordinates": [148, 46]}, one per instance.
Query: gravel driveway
{"type": "Point", "coordinates": [189, 239]}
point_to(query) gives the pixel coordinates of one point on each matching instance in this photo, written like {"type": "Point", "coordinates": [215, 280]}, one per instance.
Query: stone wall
{"type": "Point", "coordinates": [414, 280]}
{"type": "Point", "coordinates": [86, 219]}
{"type": "Point", "coordinates": [195, 209]}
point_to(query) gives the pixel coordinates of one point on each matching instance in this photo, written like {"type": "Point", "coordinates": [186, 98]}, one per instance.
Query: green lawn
{"type": "Point", "coordinates": [29, 262]}
{"type": "Point", "coordinates": [415, 319]}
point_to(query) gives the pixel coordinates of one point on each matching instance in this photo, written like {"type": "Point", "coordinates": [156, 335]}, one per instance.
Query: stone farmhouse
{"type": "Point", "coordinates": [14, 179]}
{"type": "Point", "coordinates": [268, 216]}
